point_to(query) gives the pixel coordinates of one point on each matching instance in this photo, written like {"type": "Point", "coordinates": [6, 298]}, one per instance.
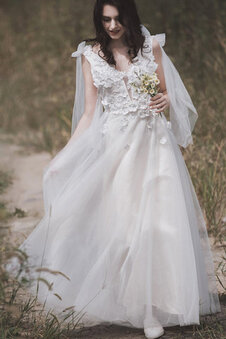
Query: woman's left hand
{"type": "Point", "coordinates": [159, 102]}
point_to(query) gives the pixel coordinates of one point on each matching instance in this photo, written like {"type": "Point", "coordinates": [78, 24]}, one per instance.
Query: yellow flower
{"type": "Point", "coordinates": [147, 83]}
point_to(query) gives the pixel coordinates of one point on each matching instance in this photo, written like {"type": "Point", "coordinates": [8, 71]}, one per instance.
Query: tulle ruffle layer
{"type": "Point", "coordinates": [123, 223]}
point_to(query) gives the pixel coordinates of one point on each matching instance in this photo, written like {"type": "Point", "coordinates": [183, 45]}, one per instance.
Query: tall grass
{"type": "Point", "coordinates": [5, 181]}
{"type": "Point", "coordinates": [37, 93]}
{"type": "Point", "coordinates": [206, 162]}
{"type": "Point", "coordinates": [38, 75]}
{"type": "Point", "coordinates": [21, 315]}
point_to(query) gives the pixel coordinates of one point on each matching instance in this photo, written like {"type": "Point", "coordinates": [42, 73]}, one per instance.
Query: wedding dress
{"type": "Point", "coordinates": [122, 221]}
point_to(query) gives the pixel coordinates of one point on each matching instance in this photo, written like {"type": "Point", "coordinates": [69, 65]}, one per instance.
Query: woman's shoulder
{"type": "Point", "coordinates": [96, 47]}
{"type": "Point", "coordinates": [87, 48]}
{"type": "Point", "coordinates": [156, 49]}
{"type": "Point", "coordinates": [82, 48]}
{"type": "Point", "coordinates": [160, 37]}
{"type": "Point", "coordinates": [155, 42]}
{"type": "Point", "coordinates": [158, 40]}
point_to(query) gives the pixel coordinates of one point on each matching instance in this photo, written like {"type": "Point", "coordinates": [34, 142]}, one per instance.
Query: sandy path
{"type": "Point", "coordinates": [26, 193]}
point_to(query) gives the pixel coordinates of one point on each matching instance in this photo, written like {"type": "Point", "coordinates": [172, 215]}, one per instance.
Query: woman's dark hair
{"type": "Point", "coordinates": [129, 18]}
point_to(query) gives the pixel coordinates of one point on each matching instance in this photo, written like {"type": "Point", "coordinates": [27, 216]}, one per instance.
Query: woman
{"type": "Point", "coordinates": [123, 237]}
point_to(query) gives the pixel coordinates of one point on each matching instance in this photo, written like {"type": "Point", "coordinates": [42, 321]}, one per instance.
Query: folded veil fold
{"type": "Point", "coordinates": [183, 114]}
{"type": "Point", "coordinates": [79, 101]}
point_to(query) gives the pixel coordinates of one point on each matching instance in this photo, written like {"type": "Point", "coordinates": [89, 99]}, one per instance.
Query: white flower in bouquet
{"type": "Point", "coordinates": [148, 84]}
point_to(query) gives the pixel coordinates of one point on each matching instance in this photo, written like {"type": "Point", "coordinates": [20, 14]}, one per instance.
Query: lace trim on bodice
{"type": "Point", "coordinates": [106, 75]}
{"type": "Point", "coordinates": [118, 96]}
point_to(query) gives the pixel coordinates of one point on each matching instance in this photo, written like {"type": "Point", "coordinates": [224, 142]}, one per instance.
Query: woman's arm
{"type": "Point", "coordinates": [90, 100]}
{"type": "Point", "coordinates": [160, 100]}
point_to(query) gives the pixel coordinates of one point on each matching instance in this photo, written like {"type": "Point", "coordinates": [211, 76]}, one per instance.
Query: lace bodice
{"type": "Point", "coordinates": [118, 96]}
{"type": "Point", "coordinates": [121, 100]}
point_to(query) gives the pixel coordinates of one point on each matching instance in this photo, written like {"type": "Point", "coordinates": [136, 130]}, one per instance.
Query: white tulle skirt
{"type": "Point", "coordinates": [123, 224]}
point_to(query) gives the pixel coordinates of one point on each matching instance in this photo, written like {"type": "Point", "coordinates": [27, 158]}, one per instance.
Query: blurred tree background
{"type": "Point", "coordinates": [38, 76]}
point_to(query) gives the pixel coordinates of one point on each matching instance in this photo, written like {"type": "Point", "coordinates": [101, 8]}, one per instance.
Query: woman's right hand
{"type": "Point", "coordinates": [160, 102]}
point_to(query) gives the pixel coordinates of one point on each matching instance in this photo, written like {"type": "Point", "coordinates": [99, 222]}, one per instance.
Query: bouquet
{"type": "Point", "coordinates": [148, 84]}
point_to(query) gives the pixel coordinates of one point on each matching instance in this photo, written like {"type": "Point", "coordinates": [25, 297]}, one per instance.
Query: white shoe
{"type": "Point", "coordinates": [153, 332]}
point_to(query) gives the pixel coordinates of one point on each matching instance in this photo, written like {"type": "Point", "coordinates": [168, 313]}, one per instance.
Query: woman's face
{"type": "Point", "coordinates": [111, 24]}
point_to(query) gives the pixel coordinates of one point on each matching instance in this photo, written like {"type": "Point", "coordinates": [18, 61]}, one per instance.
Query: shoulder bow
{"type": "Point", "coordinates": [79, 50]}
{"type": "Point", "coordinates": [161, 38]}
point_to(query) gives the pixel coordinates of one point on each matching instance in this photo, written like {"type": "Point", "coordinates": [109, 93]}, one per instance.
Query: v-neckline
{"type": "Point", "coordinates": [113, 67]}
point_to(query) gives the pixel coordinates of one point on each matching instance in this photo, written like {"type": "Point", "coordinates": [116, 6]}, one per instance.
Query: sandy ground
{"type": "Point", "coordinates": [25, 193]}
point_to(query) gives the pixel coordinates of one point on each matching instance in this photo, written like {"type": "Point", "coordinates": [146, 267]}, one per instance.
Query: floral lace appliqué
{"type": "Point", "coordinates": [118, 96]}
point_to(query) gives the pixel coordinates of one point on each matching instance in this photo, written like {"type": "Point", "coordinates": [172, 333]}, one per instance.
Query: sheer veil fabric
{"type": "Point", "coordinates": [122, 220]}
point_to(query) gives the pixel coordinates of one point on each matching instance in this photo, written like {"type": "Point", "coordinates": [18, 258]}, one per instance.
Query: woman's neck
{"type": "Point", "coordinates": [118, 44]}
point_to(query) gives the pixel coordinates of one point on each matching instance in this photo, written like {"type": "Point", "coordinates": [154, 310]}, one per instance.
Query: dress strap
{"type": "Point", "coordinates": [161, 38]}
{"type": "Point", "coordinates": [87, 51]}
{"type": "Point", "coordinates": [79, 101]}
{"type": "Point", "coordinates": [80, 50]}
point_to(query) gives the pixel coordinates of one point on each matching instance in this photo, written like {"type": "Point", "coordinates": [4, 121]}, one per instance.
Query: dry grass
{"type": "Point", "coordinates": [20, 313]}
{"type": "Point", "coordinates": [36, 100]}
{"type": "Point", "coordinates": [21, 316]}
{"type": "Point", "coordinates": [38, 78]}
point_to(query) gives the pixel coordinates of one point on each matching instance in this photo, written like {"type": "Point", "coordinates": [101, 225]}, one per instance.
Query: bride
{"type": "Point", "coordinates": [123, 237]}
